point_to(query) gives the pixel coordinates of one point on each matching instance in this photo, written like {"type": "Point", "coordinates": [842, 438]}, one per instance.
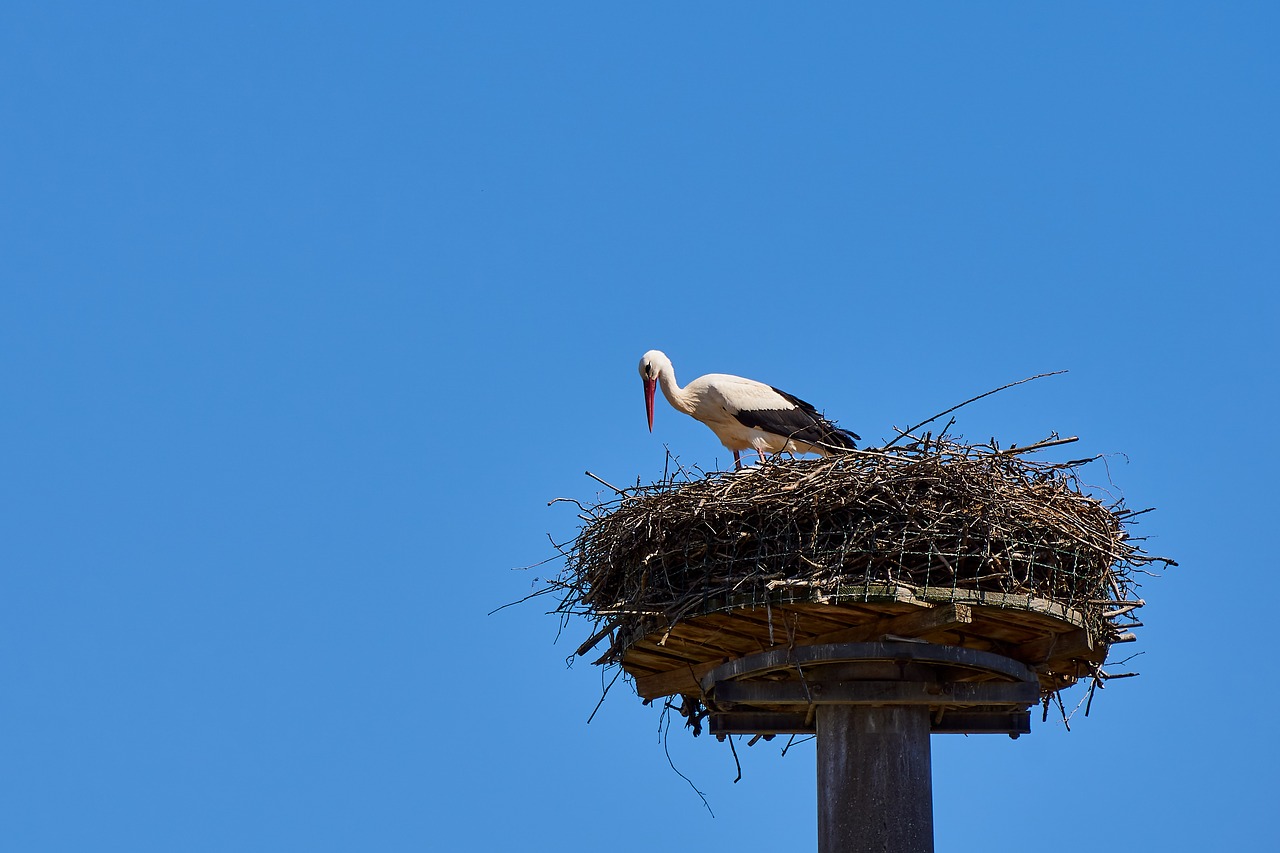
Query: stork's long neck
{"type": "Point", "coordinates": [675, 395]}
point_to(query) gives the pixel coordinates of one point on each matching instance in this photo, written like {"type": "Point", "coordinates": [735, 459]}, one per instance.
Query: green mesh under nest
{"type": "Point", "coordinates": [931, 513]}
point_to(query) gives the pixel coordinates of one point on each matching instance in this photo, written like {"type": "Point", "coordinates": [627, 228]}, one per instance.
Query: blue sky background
{"type": "Point", "coordinates": [307, 311]}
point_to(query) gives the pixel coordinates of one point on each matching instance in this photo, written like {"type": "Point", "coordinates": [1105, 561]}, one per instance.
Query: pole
{"type": "Point", "coordinates": [875, 790]}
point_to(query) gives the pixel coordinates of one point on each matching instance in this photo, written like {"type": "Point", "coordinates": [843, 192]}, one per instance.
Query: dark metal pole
{"type": "Point", "coordinates": [875, 789]}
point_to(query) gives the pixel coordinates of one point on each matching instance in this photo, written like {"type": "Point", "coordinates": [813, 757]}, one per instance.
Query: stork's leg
{"type": "Point", "coordinates": [737, 460]}
{"type": "Point", "coordinates": [761, 452]}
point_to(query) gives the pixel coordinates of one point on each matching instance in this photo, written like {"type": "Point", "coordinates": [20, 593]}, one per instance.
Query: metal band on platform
{"type": "Point", "coordinates": [778, 692]}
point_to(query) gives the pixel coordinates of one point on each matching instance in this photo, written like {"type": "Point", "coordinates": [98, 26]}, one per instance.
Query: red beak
{"type": "Point", "coordinates": [650, 385]}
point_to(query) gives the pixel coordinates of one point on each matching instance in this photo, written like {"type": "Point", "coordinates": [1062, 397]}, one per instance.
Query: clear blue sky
{"type": "Point", "coordinates": [308, 309]}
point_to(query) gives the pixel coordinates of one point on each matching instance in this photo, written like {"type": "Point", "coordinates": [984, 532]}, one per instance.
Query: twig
{"type": "Point", "coordinates": [665, 740]}
{"type": "Point", "coordinates": [558, 546]}
{"type": "Point", "coordinates": [1031, 448]}
{"type": "Point", "coordinates": [791, 741]}
{"type": "Point", "coordinates": [967, 402]}
{"type": "Point", "coordinates": [1129, 658]}
{"type": "Point", "coordinates": [573, 501]}
{"type": "Point", "coordinates": [534, 594]}
{"type": "Point", "coordinates": [550, 559]}
{"type": "Point", "coordinates": [604, 483]}
{"type": "Point", "coordinates": [596, 638]}
{"type": "Point", "coordinates": [602, 695]}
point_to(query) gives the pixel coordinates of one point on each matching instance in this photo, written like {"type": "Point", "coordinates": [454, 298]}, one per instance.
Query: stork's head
{"type": "Point", "coordinates": [652, 363]}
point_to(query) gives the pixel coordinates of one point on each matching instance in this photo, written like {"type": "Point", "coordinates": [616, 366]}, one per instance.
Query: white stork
{"type": "Point", "coordinates": [744, 414]}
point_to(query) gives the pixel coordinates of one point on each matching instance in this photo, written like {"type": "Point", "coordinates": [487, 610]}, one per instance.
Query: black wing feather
{"type": "Point", "coordinates": [803, 423]}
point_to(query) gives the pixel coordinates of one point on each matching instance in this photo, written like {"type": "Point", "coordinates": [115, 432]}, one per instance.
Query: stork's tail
{"type": "Point", "coordinates": [838, 439]}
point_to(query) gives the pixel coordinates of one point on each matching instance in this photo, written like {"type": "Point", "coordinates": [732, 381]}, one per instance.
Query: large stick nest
{"type": "Point", "coordinates": [931, 513]}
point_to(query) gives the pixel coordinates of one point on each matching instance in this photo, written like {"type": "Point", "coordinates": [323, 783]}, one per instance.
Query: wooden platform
{"type": "Point", "coordinates": [1054, 640]}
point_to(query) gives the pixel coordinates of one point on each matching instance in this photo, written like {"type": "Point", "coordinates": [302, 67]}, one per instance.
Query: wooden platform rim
{"type": "Point", "coordinates": [1049, 637]}
{"type": "Point", "coordinates": [898, 593]}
